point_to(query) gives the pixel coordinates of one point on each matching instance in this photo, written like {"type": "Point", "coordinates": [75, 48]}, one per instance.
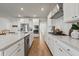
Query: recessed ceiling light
{"type": "Point", "coordinates": [34, 15]}
{"type": "Point", "coordinates": [22, 9]}
{"type": "Point", "coordinates": [42, 9]}
{"type": "Point", "coordinates": [19, 15]}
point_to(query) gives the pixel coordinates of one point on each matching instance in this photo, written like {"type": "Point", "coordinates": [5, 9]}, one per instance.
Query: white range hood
{"type": "Point", "coordinates": [57, 11]}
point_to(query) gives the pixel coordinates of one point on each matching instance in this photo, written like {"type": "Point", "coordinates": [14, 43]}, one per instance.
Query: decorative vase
{"type": "Point", "coordinates": [75, 34]}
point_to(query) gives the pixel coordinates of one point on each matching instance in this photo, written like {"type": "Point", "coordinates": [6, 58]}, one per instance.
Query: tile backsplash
{"type": "Point", "coordinates": [59, 23]}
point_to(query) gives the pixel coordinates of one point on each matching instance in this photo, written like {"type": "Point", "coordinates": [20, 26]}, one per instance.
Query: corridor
{"type": "Point", "coordinates": [39, 48]}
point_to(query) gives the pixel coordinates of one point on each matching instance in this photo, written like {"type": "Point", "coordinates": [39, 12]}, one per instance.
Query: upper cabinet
{"type": "Point", "coordinates": [71, 12]}
{"type": "Point", "coordinates": [36, 21]}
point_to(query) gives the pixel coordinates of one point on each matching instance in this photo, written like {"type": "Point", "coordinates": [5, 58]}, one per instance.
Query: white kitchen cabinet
{"type": "Point", "coordinates": [1, 53]}
{"type": "Point", "coordinates": [15, 50]}
{"type": "Point", "coordinates": [11, 50]}
{"type": "Point", "coordinates": [70, 50]}
{"type": "Point", "coordinates": [50, 43]}
{"type": "Point", "coordinates": [18, 52]}
{"type": "Point", "coordinates": [58, 49]}
{"type": "Point", "coordinates": [71, 12]}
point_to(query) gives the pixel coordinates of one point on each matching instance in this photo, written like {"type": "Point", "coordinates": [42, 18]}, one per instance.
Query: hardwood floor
{"type": "Point", "coordinates": [39, 48]}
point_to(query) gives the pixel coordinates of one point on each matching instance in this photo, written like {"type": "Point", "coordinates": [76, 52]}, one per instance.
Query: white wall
{"type": "Point", "coordinates": [59, 23]}
{"type": "Point", "coordinates": [4, 23]}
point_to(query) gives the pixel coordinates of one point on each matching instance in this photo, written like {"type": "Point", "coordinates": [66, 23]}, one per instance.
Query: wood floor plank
{"type": "Point", "coordinates": [39, 48]}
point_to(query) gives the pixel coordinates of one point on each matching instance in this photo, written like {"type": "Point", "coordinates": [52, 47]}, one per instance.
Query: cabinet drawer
{"type": "Point", "coordinates": [9, 51]}
{"type": "Point", "coordinates": [70, 50]}
{"type": "Point", "coordinates": [59, 49]}
{"type": "Point", "coordinates": [18, 52]}
{"type": "Point", "coordinates": [1, 53]}
{"type": "Point", "coordinates": [21, 42]}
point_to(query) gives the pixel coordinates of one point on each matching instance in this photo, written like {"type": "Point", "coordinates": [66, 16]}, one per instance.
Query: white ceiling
{"type": "Point", "coordinates": [13, 9]}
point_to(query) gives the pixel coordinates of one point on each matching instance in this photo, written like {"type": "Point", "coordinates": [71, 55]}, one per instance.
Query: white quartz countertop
{"type": "Point", "coordinates": [9, 39]}
{"type": "Point", "coordinates": [68, 40]}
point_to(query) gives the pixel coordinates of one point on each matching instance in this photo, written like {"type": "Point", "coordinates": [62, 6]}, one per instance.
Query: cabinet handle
{"type": "Point", "coordinates": [19, 50]}
{"type": "Point", "coordinates": [68, 49]}
{"type": "Point", "coordinates": [75, 16]}
{"type": "Point", "coordinates": [61, 49]}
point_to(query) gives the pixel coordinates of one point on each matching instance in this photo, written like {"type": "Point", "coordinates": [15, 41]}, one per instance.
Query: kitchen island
{"type": "Point", "coordinates": [63, 45]}
{"type": "Point", "coordinates": [11, 44]}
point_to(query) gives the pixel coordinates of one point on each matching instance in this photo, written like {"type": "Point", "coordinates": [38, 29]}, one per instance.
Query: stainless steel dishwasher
{"type": "Point", "coordinates": [26, 44]}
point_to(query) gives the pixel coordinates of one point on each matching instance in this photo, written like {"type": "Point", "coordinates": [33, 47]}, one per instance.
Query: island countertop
{"type": "Point", "coordinates": [10, 39]}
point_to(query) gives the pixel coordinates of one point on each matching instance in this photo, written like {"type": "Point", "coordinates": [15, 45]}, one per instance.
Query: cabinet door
{"type": "Point", "coordinates": [1, 53]}
{"type": "Point", "coordinates": [71, 50]}
{"type": "Point", "coordinates": [76, 9]}
{"type": "Point", "coordinates": [59, 50]}
{"type": "Point", "coordinates": [50, 43]}
{"type": "Point", "coordinates": [70, 11]}
{"type": "Point", "coordinates": [18, 52]}
{"type": "Point", "coordinates": [15, 49]}
{"type": "Point", "coordinates": [21, 48]}
{"type": "Point", "coordinates": [11, 50]}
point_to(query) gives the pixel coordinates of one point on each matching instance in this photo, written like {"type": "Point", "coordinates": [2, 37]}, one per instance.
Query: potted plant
{"type": "Point", "coordinates": [75, 33]}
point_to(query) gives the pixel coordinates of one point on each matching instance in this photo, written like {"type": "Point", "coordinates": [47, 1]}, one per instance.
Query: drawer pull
{"type": "Point", "coordinates": [19, 50]}
{"type": "Point", "coordinates": [60, 49]}
{"type": "Point", "coordinates": [68, 49]}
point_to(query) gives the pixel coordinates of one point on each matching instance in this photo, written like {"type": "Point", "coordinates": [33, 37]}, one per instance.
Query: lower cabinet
{"type": "Point", "coordinates": [50, 43]}
{"type": "Point", "coordinates": [15, 50]}
{"type": "Point", "coordinates": [70, 50]}
{"type": "Point", "coordinates": [18, 52]}
{"type": "Point", "coordinates": [1, 53]}
{"type": "Point", "coordinates": [59, 48]}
